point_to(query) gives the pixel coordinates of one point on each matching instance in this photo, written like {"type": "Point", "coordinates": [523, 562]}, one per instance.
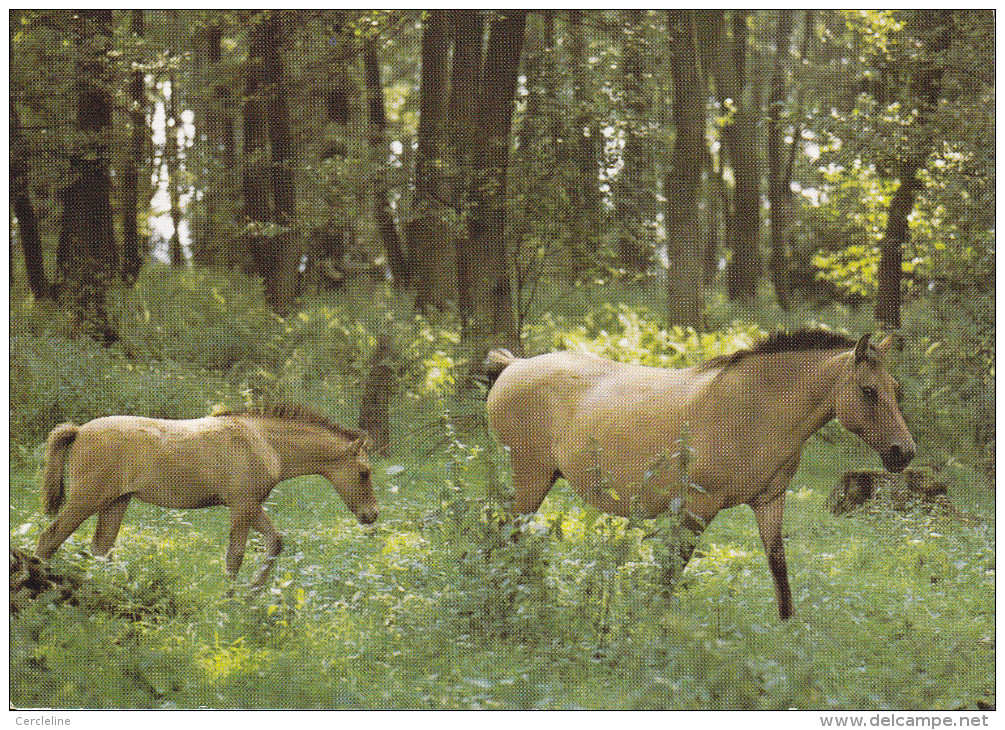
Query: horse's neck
{"type": "Point", "coordinates": [301, 447]}
{"type": "Point", "coordinates": [791, 399]}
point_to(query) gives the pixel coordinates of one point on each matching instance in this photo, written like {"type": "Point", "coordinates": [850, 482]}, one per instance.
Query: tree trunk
{"type": "Point", "coordinates": [685, 299]}
{"type": "Point", "coordinates": [432, 110]}
{"type": "Point", "coordinates": [431, 245]}
{"type": "Point", "coordinates": [585, 131]}
{"type": "Point", "coordinates": [779, 191]}
{"type": "Point", "coordinates": [635, 198]}
{"type": "Point", "coordinates": [269, 193]}
{"type": "Point", "coordinates": [740, 137]}
{"type": "Point", "coordinates": [387, 230]}
{"type": "Point", "coordinates": [375, 403]}
{"type": "Point", "coordinates": [86, 255]}
{"type": "Point", "coordinates": [933, 27]}
{"type": "Point", "coordinates": [486, 303]}
{"type": "Point", "coordinates": [132, 257]}
{"type": "Point", "coordinates": [176, 255]}
{"type": "Point", "coordinates": [24, 211]}
{"type": "Point", "coordinates": [465, 71]}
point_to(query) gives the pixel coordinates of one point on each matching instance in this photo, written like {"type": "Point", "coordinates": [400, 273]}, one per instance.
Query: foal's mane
{"type": "Point", "coordinates": [798, 341]}
{"type": "Point", "coordinates": [294, 412]}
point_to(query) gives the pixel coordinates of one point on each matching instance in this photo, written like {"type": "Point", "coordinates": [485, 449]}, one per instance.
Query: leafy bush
{"type": "Point", "coordinates": [209, 318]}
{"type": "Point", "coordinates": [55, 379]}
{"type": "Point", "coordinates": [636, 335]}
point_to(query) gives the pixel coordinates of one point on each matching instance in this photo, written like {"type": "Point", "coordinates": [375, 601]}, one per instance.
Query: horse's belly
{"type": "Point", "coordinates": [179, 484]}
{"type": "Point", "coordinates": [177, 500]}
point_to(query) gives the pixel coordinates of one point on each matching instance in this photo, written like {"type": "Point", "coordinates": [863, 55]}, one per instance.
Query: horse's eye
{"type": "Point", "coordinates": [869, 393]}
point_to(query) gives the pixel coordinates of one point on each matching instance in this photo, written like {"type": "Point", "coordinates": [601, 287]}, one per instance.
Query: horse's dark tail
{"type": "Point", "coordinates": [58, 444]}
{"type": "Point", "coordinates": [495, 362]}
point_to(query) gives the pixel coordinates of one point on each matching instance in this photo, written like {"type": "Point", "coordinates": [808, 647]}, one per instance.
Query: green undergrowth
{"type": "Point", "coordinates": [448, 603]}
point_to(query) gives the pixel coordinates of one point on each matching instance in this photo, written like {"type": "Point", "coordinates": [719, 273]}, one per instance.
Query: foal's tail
{"type": "Point", "coordinates": [58, 444]}
{"type": "Point", "coordinates": [495, 362]}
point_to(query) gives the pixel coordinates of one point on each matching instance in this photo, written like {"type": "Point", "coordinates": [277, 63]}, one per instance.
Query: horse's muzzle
{"type": "Point", "coordinates": [367, 515]}
{"type": "Point", "coordinates": [896, 457]}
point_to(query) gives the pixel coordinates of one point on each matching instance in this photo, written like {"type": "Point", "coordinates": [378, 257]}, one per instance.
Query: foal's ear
{"type": "Point", "coordinates": [885, 344]}
{"type": "Point", "coordinates": [862, 348]}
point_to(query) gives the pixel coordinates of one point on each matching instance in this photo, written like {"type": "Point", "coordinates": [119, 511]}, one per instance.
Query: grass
{"type": "Point", "coordinates": [433, 607]}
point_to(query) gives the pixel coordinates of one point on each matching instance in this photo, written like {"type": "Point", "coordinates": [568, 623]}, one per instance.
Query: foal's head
{"type": "Point", "coordinates": [866, 403]}
{"type": "Point", "coordinates": [350, 474]}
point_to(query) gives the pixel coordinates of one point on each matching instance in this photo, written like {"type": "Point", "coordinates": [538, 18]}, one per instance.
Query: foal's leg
{"type": "Point", "coordinates": [69, 518]}
{"type": "Point", "coordinates": [273, 543]}
{"type": "Point", "coordinates": [241, 517]}
{"type": "Point", "coordinates": [769, 522]}
{"type": "Point", "coordinates": [109, 521]}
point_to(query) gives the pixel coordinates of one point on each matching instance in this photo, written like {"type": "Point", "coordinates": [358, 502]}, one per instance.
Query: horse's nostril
{"type": "Point", "coordinates": [898, 457]}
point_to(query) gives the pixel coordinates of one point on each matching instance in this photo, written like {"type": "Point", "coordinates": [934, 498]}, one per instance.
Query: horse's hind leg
{"type": "Point", "coordinates": [69, 518]}
{"type": "Point", "coordinates": [109, 521]}
{"type": "Point", "coordinates": [240, 522]}
{"type": "Point", "coordinates": [531, 483]}
{"type": "Point", "coordinates": [273, 544]}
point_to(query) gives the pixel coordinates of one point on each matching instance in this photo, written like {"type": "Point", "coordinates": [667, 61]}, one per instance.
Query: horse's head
{"type": "Point", "coordinates": [351, 477]}
{"type": "Point", "coordinates": [866, 403]}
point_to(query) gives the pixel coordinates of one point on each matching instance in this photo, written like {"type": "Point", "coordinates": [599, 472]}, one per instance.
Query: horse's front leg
{"type": "Point", "coordinates": [769, 523]}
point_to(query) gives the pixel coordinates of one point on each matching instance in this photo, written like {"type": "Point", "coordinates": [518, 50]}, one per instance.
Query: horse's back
{"type": "Point", "coordinates": [173, 463]}
{"type": "Point", "coordinates": [550, 381]}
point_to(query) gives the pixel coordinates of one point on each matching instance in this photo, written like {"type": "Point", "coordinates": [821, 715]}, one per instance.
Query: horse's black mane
{"type": "Point", "coordinates": [798, 341]}
{"type": "Point", "coordinates": [294, 412]}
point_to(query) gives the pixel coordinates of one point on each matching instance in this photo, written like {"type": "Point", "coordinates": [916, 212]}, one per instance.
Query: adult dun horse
{"type": "Point", "coordinates": [233, 459]}
{"type": "Point", "coordinates": [616, 432]}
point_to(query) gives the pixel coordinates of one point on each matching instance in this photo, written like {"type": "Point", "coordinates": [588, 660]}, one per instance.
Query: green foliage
{"type": "Point", "coordinates": [210, 318]}
{"type": "Point", "coordinates": [636, 335]}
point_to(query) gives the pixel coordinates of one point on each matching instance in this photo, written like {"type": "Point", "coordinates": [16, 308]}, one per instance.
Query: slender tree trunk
{"type": "Point", "coordinates": [465, 72]}
{"type": "Point", "coordinates": [86, 255]}
{"type": "Point", "coordinates": [289, 244]}
{"type": "Point", "coordinates": [685, 299]}
{"type": "Point", "coordinates": [933, 27]}
{"type": "Point", "coordinates": [635, 199]}
{"type": "Point", "coordinates": [132, 257]}
{"type": "Point", "coordinates": [431, 243]}
{"type": "Point", "coordinates": [254, 178]}
{"type": "Point", "coordinates": [432, 109]}
{"type": "Point", "coordinates": [585, 130]}
{"type": "Point", "coordinates": [269, 192]}
{"type": "Point", "coordinates": [488, 306]}
{"type": "Point", "coordinates": [779, 192]}
{"type": "Point", "coordinates": [24, 211]}
{"type": "Point", "coordinates": [173, 177]}
{"type": "Point", "coordinates": [375, 402]}
{"type": "Point", "coordinates": [387, 230]}
{"type": "Point", "coordinates": [341, 98]}
{"type": "Point", "coordinates": [740, 136]}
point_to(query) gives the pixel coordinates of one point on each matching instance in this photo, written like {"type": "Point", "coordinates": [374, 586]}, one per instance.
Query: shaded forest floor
{"type": "Point", "coordinates": [434, 607]}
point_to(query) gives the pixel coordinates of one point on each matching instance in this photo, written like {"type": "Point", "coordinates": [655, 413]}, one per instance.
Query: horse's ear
{"type": "Point", "coordinates": [862, 348]}
{"type": "Point", "coordinates": [885, 344]}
